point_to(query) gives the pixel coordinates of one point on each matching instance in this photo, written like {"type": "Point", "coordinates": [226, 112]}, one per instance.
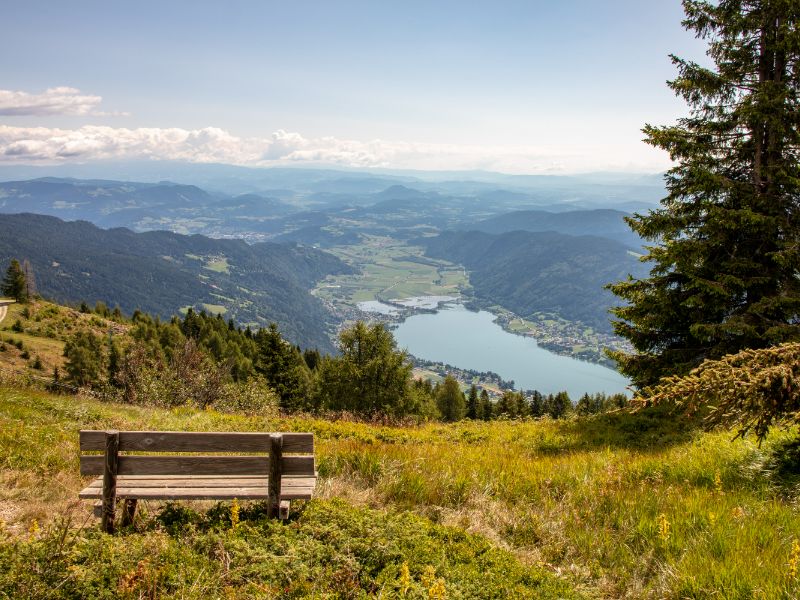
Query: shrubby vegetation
{"type": "Point", "coordinates": [330, 549]}
{"type": "Point", "coordinates": [752, 389]}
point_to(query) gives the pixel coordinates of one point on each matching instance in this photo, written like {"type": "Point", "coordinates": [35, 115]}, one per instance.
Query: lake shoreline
{"type": "Point", "coordinates": [397, 312]}
{"type": "Point", "coordinates": [494, 350]}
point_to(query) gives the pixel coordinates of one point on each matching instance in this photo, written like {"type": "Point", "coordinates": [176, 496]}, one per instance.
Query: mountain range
{"type": "Point", "coordinates": [540, 272]}
{"type": "Point", "coordinates": [161, 273]}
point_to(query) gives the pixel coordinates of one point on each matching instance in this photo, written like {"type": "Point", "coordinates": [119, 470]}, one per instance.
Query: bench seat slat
{"type": "Point", "coordinates": [198, 465]}
{"type": "Point", "coordinates": [190, 441]}
{"type": "Point", "coordinates": [203, 482]}
{"type": "Point", "coordinates": [200, 493]}
{"type": "Point", "coordinates": [181, 489]}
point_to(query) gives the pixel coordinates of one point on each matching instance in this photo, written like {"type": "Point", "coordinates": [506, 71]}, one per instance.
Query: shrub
{"type": "Point", "coordinates": [752, 389]}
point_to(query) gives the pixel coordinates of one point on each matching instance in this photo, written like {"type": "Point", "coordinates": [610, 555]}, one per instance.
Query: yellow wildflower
{"type": "Point", "coordinates": [437, 591]}
{"type": "Point", "coordinates": [235, 508]}
{"type": "Point", "coordinates": [34, 528]}
{"type": "Point", "coordinates": [718, 483]}
{"type": "Point", "coordinates": [794, 560]}
{"type": "Point", "coordinates": [428, 577]}
{"type": "Point", "coordinates": [404, 581]}
{"type": "Point", "coordinates": [663, 527]}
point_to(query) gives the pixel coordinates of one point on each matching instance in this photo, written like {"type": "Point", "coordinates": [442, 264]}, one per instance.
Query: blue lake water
{"type": "Point", "coordinates": [471, 340]}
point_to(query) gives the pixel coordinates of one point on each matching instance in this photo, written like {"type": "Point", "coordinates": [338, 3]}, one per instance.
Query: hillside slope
{"type": "Point", "coordinates": [618, 506]}
{"type": "Point", "coordinates": [161, 272]}
{"type": "Point", "coordinates": [548, 272]}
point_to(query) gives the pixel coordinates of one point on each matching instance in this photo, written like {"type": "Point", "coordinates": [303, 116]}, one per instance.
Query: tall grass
{"type": "Point", "coordinates": [622, 506]}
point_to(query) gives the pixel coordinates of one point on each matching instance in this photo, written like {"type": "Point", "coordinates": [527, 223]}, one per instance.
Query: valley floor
{"type": "Point", "coordinates": [615, 506]}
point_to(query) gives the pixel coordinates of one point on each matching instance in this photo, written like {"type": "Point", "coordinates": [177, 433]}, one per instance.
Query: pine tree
{"type": "Point", "coordinates": [486, 409]}
{"type": "Point", "coordinates": [281, 365]}
{"type": "Point", "coordinates": [450, 400]}
{"type": "Point", "coordinates": [14, 285]}
{"type": "Point", "coordinates": [370, 377]}
{"type": "Point", "coordinates": [536, 404]}
{"type": "Point", "coordinates": [30, 280]}
{"type": "Point", "coordinates": [726, 253]}
{"type": "Point", "coordinates": [473, 404]}
{"type": "Point", "coordinates": [84, 359]}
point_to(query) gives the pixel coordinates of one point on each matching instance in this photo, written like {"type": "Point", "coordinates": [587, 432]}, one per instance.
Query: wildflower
{"type": "Point", "coordinates": [428, 577]}
{"type": "Point", "coordinates": [34, 528]}
{"type": "Point", "coordinates": [437, 591]}
{"type": "Point", "coordinates": [794, 560]}
{"type": "Point", "coordinates": [663, 527]}
{"type": "Point", "coordinates": [738, 513]}
{"type": "Point", "coordinates": [404, 581]}
{"type": "Point", "coordinates": [712, 519]}
{"type": "Point", "coordinates": [235, 508]}
{"type": "Point", "coordinates": [718, 483]}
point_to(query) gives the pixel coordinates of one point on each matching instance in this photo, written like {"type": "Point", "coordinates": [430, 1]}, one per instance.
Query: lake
{"type": "Point", "coordinates": [471, 340]}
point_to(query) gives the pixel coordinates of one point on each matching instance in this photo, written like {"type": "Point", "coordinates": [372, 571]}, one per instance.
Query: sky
{"type": "Point", "coordinates": [515, 87]}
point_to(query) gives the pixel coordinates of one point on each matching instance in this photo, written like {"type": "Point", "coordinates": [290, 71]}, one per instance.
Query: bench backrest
{"type": "Point", "coordinates": [297, 457]}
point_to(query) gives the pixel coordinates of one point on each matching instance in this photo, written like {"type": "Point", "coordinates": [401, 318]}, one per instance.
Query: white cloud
{"type": "Point", "coordinates": [211, 144]}
{"type": "Point", "coordinates": [53, 101]}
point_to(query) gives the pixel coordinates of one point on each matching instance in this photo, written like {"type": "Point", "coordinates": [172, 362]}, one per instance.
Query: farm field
{"type": "Point", "coordinates": [390, 269]}
{"type": "Point", "coordinates": [615, 506]}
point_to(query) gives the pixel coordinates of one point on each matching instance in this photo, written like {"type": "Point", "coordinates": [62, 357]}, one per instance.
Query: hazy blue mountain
{"type": "Point", "coordinates": [252, 205]}
{"type": "Point", "coordinates": [323, 237]}
{"type": "Point", "coordinates": [590, 190]}
{"type": "Point", "coordinates": [529, 272]}
{"type": "Point", "coordinates": [161, 272]}
{"type": "Point", "coordinates": [142, 206]}
{"type": "Point", "coordinates": [600, 222]}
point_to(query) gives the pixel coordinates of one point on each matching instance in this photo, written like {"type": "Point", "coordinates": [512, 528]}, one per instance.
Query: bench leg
{"type": "Point", "coordinates": [110, 481]}
{"type": "Point", "coordinates": [128, 512]}
{"type": "Point", "coordinates": [275, 474]}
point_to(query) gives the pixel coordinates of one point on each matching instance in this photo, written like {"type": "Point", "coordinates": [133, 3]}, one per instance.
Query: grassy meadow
{"type": "Point", "coordinates": [615, 506]}
{"type": "Point", "coordinates": [389, 269]}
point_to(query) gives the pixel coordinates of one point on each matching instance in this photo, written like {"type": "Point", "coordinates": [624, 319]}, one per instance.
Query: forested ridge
{"type": "Point", "coordinates": [530, 272]}
{"type": "Point", "coordinates": [160, 272]}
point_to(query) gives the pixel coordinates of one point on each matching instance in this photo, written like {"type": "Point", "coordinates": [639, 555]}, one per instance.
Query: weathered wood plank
{"type": "Point", "coordinates": [201, 481]}
{"type": "Point", "coordinates": [241, 493]}
{"type": "Point", "coordinates": [206, 441]}
{"type": "Point", "coordinates": [110, 468]}
{"type": "Point", "coordinates": [198, 465]}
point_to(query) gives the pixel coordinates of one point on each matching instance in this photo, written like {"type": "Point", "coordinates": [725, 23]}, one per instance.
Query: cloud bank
{"type": "Point", "coordinates": [53, 101]}
{"type": "Point", "coordinates": [44, 145]}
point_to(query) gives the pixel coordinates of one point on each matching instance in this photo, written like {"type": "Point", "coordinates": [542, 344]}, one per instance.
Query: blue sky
{"type": "Point", "coordinates": [511, 86]}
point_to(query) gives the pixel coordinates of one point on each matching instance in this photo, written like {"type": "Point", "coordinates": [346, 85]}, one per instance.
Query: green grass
{"type": "Point", "coordinates": [215, 309]}
{"type": "Point", "coordinates": [218, 265]}
{"type": "Point", "coordinates": [383, 273]}
{"type": "Point", "coordinates": [614, 506]}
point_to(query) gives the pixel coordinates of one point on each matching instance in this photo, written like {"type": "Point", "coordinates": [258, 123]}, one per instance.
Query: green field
{"type": "Point", "coordinates": [217, 264]}
{"type": "Point", "coordinates": [388, 270]}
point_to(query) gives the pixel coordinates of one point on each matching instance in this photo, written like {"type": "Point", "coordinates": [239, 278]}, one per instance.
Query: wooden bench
{"type": "Point", "coordinates": [282, 470]}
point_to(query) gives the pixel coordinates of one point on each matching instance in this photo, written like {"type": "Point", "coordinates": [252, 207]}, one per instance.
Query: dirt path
{"type": "Point", "coordinates": [3, 312]}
